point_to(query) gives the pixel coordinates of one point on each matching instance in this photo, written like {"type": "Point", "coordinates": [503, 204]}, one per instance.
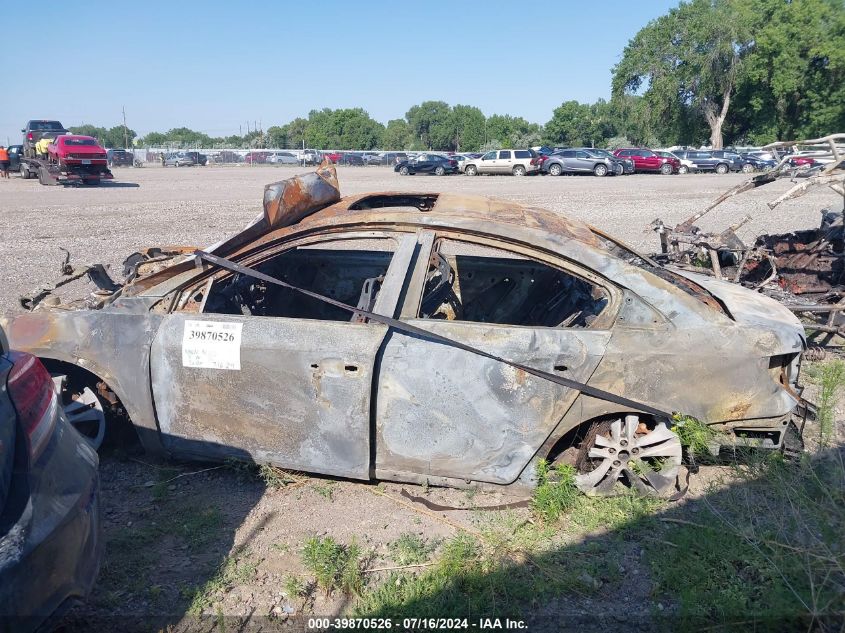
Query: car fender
{"type": "Point", "coordinates": [112, 344]}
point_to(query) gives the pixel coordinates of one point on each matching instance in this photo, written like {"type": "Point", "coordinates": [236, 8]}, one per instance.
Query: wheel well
{"type": "Point", "coordinates": [120, 430]}
{"type": "Point", "coordinates": [573, 437]}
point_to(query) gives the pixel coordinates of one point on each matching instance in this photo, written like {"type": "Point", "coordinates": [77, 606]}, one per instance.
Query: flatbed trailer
{"type": "Point", "coordinates": [51, 173]}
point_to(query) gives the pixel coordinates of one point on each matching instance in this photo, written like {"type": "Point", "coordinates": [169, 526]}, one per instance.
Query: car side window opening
{"type": "Point", "coordinates": [504, 154]}
{"type": "Point", "coordinates": [489, 156]}
{"type": "Point", "coordinates": [349, 271]}
{"type": "Point", "coordinates": [521, 153]}
{"type": "Point", "coordinates": [471, 282]}
{"type": "Point", "coordinates": [568, 154]}
{"type": "Point", "coordinates": [581, 155]}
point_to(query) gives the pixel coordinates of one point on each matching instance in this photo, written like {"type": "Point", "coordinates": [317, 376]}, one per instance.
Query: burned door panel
{"type": "Point", "coordinates": [447, 412]}
{"type": "Point", "coordinates": [300, 400]}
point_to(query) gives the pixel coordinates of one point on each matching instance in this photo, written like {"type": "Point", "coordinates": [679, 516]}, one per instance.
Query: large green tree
{"type": "Point", "coordinates": [505, 130]}
{"type": "Point", "coordinates": [793, 84]}
{"type": "Point", "coordinates": [467, 127]}
{"type": "Point", "coordinates": [430, 124]}
{"type": "Point", "coordinates": [397, 135]}
{"type": "Point", "coordinates": [690, 58]}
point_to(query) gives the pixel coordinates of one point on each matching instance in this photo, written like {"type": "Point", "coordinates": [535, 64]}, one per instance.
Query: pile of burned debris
{"type": "Point", "coordinates": [804, 270]}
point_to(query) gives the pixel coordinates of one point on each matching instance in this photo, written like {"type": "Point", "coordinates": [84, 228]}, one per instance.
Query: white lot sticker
{"type": "Point", "coordinates": [212, 345]}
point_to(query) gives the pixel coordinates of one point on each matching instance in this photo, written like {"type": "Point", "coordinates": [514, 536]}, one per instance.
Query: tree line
{"type": "Point", "coordinates": [709, 71]}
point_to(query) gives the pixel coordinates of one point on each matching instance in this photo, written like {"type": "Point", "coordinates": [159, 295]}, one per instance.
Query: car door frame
{"type": "Point", "coordinates": [319, 400]}
{"type": "Point", "coordinates": [403, 451]}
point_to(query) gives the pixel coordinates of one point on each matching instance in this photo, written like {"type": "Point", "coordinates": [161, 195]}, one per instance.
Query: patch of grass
{"type": "Point", "coordinates": [411, 549]}
{"type": "Point", "coordinates": [274, 477]}
{"type": "Point", "coordinates": [617, 513]}
{"type": "Point", "coordinates": [830, 376]}
{"type": "Point", "coordinates": [324, 490]}
{"type": "Point", "coordinates": [198, 527]}
{"type": "Point", "coordinates": [695, 436]}
{"type": "Point", "coordinates": [769, 547]}
{"type": "Point", "coordinates": [231, 572]}
{"type": "Point", "coordinates": [555, 492]}
{"type": "Point", "coordinates": [294, 587]}
{"type": "Point", "coordinates": [163, 477]}
{"type": "Point", "coordinates": [334, 566]}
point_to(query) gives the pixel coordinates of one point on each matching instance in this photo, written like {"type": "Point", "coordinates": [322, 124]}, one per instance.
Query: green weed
{"type": "Point", "coordinates": [230, 572]}
{"type": "Point", "coordinates": [410, 549]}
{"type": "Point", "coordinates": [830, 376]}
{"type": "Point", "coordinates": [274, 477]}
{"type": "Point", "coordinates": [695, 436]}
{"type": "Point", "coordinates": [334, 566]}
{"type": "Point", "coordinates": [555, 492]}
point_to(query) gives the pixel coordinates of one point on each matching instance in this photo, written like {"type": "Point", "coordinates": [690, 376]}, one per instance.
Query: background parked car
{"type": "Point", "coordinates": [733, 159]}
{"type": "Point", "coordinates": [311, 157]}
{"type": "Point", "coordinates": [427, 164]}
{"type": "Point", "coordinates": [371, 158]}
{"type": "Point", "coordinates": [256, 158]}
{"type": "Point", "coordinates": [352, 158]}
{"type": "Point", "coordinates": [518, 162]}
{"type": "Point", "coordinates": [199, 159]}
{"type": "Point", "coordinates": [333, 156]}
{"type": "Point", "coordinates": [392, 158]}
{"type": "Point", "coordinates": [179, 159]}
{"type": "Point", "coordinates": [120, 158]}
{"type": "Point", "coordinates": [282, 158]}
{"type": "Point", "coordinates": [50, 544]}
{"type": "Point", "coordinates": [758, 163]}
{"type": "Point", "coordinates": [708, 161]}
{"type": "Point", "coordinates": [646, 160]}
{"type": "Point", "coordinates": [15, 153]}
{"type": "Point", "coordinates": [581, 160]}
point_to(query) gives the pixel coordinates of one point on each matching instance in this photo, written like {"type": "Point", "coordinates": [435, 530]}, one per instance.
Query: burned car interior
{"type": "Point", "coordinates": [464, 282]}
{"type": "Point", "coordinates": [468, 282]}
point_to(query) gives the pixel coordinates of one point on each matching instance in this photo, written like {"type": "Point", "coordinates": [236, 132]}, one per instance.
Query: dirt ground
{"type": "Point", "coordinates": [220, 540]}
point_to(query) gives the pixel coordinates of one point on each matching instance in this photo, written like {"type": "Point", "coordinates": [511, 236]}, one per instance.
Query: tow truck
{"type": "Point", "coordinates": [71, 159]}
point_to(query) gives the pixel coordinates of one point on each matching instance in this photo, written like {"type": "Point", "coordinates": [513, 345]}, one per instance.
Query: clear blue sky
{"type": "Point", "coordinates": [214, 65]}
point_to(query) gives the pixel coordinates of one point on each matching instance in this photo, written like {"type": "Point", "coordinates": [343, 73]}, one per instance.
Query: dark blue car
{"type": "Point", "coordinates": [50, 544]}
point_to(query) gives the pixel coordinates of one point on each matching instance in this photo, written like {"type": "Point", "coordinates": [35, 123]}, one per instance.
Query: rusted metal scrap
{"type": "Point", "coordinates": [805, 270]}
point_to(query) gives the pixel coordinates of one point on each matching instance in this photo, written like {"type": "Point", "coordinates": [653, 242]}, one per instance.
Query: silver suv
{"type": "Point", "coordinates": [518, 162]}
{"type": "Point", "coordinates": [583, 160]}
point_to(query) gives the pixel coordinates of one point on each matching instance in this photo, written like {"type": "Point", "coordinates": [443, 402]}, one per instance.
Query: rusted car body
{"type": "Point", "coordinates": [209, 363]}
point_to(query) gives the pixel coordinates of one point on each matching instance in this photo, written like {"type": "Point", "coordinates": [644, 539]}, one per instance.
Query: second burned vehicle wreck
{"type": "Point", "coordinates": [805, 270]}
{"type": "Point", "coordinates": [423, 337]}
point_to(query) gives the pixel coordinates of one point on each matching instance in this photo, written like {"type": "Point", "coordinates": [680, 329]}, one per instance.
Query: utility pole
{"type": "Point", "coordinates": [125, 132]}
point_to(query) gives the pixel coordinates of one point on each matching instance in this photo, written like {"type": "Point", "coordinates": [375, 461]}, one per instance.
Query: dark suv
{"type": "Point", "coordinates": [199, 159]}
{"type": "Point", "coordinates": [35, 130]}
{"type": "Point", "coordinates": [120, 158]}
{"type": "Point", "coordinates": [719, 161]}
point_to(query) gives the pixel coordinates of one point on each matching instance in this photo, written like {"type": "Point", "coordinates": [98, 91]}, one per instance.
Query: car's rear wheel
{"type": "Point", "coordinates": [404, 170]}
{"type": "Point", "coordinates": [519, 170]}
{"type": "Point", "coordinates": [471, 170]}
{"type": "Point", "coordinates": [644, 456]}
{"type": "Point", "coordinates": [439, 171]}
{"type": "Point", "coordinates": [683, 169]}
{"type": "Point", "coordinates": [666, 169]}
{"type": "Point", "coordinates": [721, 168]}
{"type": "Point", "coordinates": [83, 410]}
{"type": "Point", "coordinates": [600, 170]}
{"type": "Point", "coordinates": [555, 169]}
{"type": "Point", "coordinates": [747, 168]}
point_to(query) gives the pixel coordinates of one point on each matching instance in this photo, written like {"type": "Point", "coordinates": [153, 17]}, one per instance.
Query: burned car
{"type": "Point", "coordinates": [423, 337]}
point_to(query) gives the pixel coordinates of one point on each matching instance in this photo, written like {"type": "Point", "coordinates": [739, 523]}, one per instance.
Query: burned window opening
{"type": "Point", "coordinates": [421, 202]}
{"type": "Point", "coordinates": [496, 287]}
{"type": "Point", "coordinates": [351, 277]}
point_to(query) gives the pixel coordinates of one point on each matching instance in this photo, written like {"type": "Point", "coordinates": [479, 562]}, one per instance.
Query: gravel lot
{"type": "Point", "coordinates": [190, 539]}
{"type": "Point", "coordinates": [196, 206]}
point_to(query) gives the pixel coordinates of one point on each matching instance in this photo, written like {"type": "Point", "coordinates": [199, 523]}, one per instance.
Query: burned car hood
{"type": "Point", "coordinates": [752, 309]}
